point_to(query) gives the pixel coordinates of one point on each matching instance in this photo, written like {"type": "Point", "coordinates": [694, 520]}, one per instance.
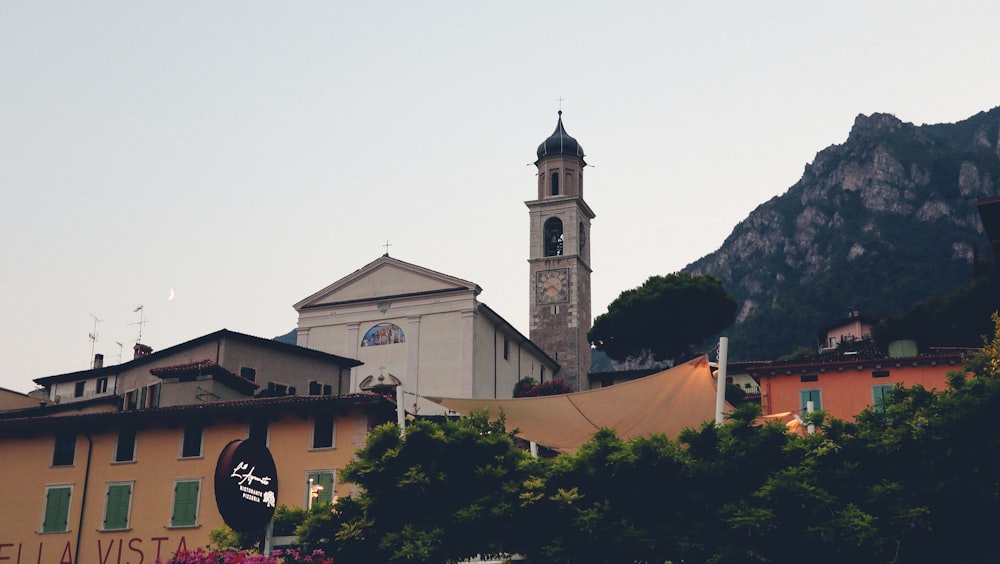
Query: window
{"type": "Point", "coordinates": [880, 374]}
{"type": "Point", "coordinates": [56, 516]}
{"type": "Point", "coordinates": [191, 443]}
{"type": "Point", "coordinates": [78, 389]}
{"type": "Point", "coordinates": [541, 375]}
{"type": "Point", "coordinates": [582, 236]}
{"type": "Point", "coordinates": [130, 400]}
{"type": "Point", "coordinates": [555, 183]}
{"type": "Point", "coordinates": [880, 393]}
{"type": "Point", "coordinates": [809, 378]}
{"type": "Point", "coordinates": [248, 373]}
{"type": "Point", "coordinates": [185, 507]}
{"type": "Point", "coordinates": [119, 501]}
{"type": "Point", "coordinates": [275, 389]}
{"type": "Point", "coordinates": [65, 449]}
{"type": "Point", "coordinates": [102, 385]}
{"type": "Point", "coordinates": [323, 431]}
{"type": "Point", "coordinates": [553, 237]}
{"type": "Point", "coordinates": [316, 388]}
{"type": "Point", "coordinates": [506, 348]}
{"type": "Point", "coordinates": [258, 429]}
{"type": "Point", "coordinates": [150, 397]}
{"type": "Point", "coordinates": [319, 486]}
{"type": "Point", "coordinates": [811, 396]}
{"type": "Point", "coordinates": [125, 449]}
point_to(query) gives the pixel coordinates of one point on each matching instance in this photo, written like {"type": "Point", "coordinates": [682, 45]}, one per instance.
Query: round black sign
{"type": "Point", "coordinates": [246, 485]}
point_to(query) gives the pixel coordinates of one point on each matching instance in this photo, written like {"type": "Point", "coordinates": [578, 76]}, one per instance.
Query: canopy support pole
{"type": "Point", "coordinates": [720, 383]}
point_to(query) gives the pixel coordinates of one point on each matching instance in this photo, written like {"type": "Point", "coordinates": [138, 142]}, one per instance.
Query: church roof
{"type": "Point", "coordinates": [387, 278]}
{"type": "Point", "coordinates": [560, 143]}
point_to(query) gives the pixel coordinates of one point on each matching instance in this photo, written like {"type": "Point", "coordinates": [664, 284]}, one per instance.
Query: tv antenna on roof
{"type": "Point", "coordinates": [142, 321]}
{"type": "Point", "coordinates": [93, 336]}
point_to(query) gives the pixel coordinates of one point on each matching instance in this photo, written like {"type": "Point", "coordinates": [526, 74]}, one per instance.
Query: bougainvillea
{"type": "Point", "coordinates": [279, 556]}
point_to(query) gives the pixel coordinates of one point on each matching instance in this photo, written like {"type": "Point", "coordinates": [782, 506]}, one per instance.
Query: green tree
{"type": "Point", "coordinates": [667, 315]}
{"type": "Point", "coordinates": [444, 493]}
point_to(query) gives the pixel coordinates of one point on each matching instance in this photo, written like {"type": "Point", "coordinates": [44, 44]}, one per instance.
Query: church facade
{"type": "Point", "coordinates": [423, 329]}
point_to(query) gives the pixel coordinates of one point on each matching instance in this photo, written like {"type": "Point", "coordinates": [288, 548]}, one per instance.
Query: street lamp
{"type": "Point", "coordinates": [314, 490]}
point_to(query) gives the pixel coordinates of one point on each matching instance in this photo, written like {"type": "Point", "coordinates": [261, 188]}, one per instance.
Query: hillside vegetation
{"type": "Point", "coordinates": [877, 224]}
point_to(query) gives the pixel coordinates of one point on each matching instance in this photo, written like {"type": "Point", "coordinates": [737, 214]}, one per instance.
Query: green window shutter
{"type": "Point", "coordinates": [185, 504]}
{"type": "Point", "coordinates": [116, 510]}
{"type": "Point", "coordinates": [810, 395]}
{"type": "Point", "coordinates": [324, 479]}
{"type": "Point", "coordinates": [56, 510]}
{"type": "Point", "coordinates": [880, 394]}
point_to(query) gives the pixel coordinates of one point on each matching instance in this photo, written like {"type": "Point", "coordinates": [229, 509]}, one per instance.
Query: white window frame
{"type": "Point", "coordinates": [333, 433]}
{"type": "Point", "coordinates": [128, 512]}
{"type": "Point", "coordinates": [45, 507]}
{"type": "Point", "coordinates": [197, 506]}
{"type": "Point", "coordinates": [201, 444]}
{"type": "Point", "coordinates": [333, 482]}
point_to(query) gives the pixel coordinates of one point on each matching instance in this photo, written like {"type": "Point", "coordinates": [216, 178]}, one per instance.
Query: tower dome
{"type": "Point", "coordinates": [560, 143]}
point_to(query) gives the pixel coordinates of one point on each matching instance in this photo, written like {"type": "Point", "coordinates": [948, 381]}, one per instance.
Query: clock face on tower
{"type": "Point", "coordinates": [552, 286]}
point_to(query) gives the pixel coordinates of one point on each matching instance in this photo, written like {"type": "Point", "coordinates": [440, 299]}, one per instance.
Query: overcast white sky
{"type": "Point", "coordinates": [246, 154]}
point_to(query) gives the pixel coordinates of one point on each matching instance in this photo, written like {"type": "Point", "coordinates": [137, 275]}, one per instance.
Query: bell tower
{"type": "Point", "coordinates": [559, 258]}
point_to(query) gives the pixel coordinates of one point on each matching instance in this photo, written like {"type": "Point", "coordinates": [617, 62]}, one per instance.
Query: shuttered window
{"type": "Point", "coordinates": [880, 393]}
{"type": "Point", "coordinates": [119, 500]}
{"type": "Point", "coordinates": [57, 509]}
{"type": "Point", "coordinates": [324, 492]}
{"type": "Point", "coordinates": [811, 395]}
{"type": "Point", "coordinates": [185, 512]}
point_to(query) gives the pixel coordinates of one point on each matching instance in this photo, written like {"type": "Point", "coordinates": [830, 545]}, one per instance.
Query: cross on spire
{"type": "Point", "coordinates": [386, 245]}
{"type": "Point", "coordinates": [560, 100]}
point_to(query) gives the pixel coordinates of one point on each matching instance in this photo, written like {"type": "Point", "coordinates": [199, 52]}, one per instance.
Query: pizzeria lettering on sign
{"type": "Point", "coordinates": [246, 485]}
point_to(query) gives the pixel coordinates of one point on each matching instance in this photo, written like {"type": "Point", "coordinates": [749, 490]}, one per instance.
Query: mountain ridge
{"type": "Point", "coordinates": [876, 224]}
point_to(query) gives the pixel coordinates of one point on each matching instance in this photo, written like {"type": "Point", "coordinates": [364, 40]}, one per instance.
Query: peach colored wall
{"type": "Point", "coordinates": [27, 473]}
{"type": "Point", "coordinates": [846, 393]}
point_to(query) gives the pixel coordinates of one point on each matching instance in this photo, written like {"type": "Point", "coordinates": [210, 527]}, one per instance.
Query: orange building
{"type": "Point", "coordinates": [844, 383]}
{"type": "Point", "coordinates": [136, 485]}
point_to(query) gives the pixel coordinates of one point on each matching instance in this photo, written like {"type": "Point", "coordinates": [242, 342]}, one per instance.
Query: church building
{"type": "Point", "coordinates": [429, 332]}
{"type": "Point", "coordinates": [423, 329]}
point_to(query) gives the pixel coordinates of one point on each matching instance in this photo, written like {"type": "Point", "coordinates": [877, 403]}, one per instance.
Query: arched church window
{"type": "Point", "coordinates": [555, 183]}
{"type": "Point", "coordinates": [383, 334]}
{"type": "Point", "coordinates": [553, 237]}
{"type": "Point", "coordinates": [582, 238]}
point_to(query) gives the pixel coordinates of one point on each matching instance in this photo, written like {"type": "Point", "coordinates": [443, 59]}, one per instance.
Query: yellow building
{"type": "Point", "coordinates": [131, 486]}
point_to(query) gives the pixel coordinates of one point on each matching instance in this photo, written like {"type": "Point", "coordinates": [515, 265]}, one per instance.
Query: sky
{"type": "Point", "coordinates": [217, 162]}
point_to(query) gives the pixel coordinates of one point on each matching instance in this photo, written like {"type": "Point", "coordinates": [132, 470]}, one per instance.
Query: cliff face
{"type": "Point", "coordinates": [875, 224]}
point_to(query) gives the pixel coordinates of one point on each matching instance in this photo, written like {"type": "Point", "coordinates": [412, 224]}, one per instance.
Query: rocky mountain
{"type": "Point", "coordinates": [875, 224]}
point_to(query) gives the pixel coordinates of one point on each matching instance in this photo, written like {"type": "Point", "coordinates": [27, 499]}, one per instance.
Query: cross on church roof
{"type": "Point", "coordinates": [386, 245]}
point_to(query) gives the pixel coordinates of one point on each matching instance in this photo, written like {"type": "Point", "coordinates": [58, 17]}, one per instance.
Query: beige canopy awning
{"type": "Point", "coordinates": [664, 403]}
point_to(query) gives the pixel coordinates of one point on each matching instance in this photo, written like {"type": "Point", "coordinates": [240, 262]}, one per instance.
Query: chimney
{"type": "Point", "coordinates": [141, 350]}
{"type": "Point", "coordinates": [98, 361]}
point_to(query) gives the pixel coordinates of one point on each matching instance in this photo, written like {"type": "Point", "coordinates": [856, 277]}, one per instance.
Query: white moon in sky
{"type": "Point", "coordinates": [170, 296]}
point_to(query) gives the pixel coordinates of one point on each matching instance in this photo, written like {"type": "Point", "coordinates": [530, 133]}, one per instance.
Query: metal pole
{"type": "Point", "coordinates": [720, 387]}
{"type": "Point", "coordinates": [810, 406]}
{"type": "Point", "coordinates": [400, 411]}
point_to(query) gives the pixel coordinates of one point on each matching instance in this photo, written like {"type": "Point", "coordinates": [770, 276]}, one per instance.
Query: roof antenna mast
{"type": "Point", "coordinates": [93, 336]}
{"type": "Point", "coordinates": [142, 321]}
